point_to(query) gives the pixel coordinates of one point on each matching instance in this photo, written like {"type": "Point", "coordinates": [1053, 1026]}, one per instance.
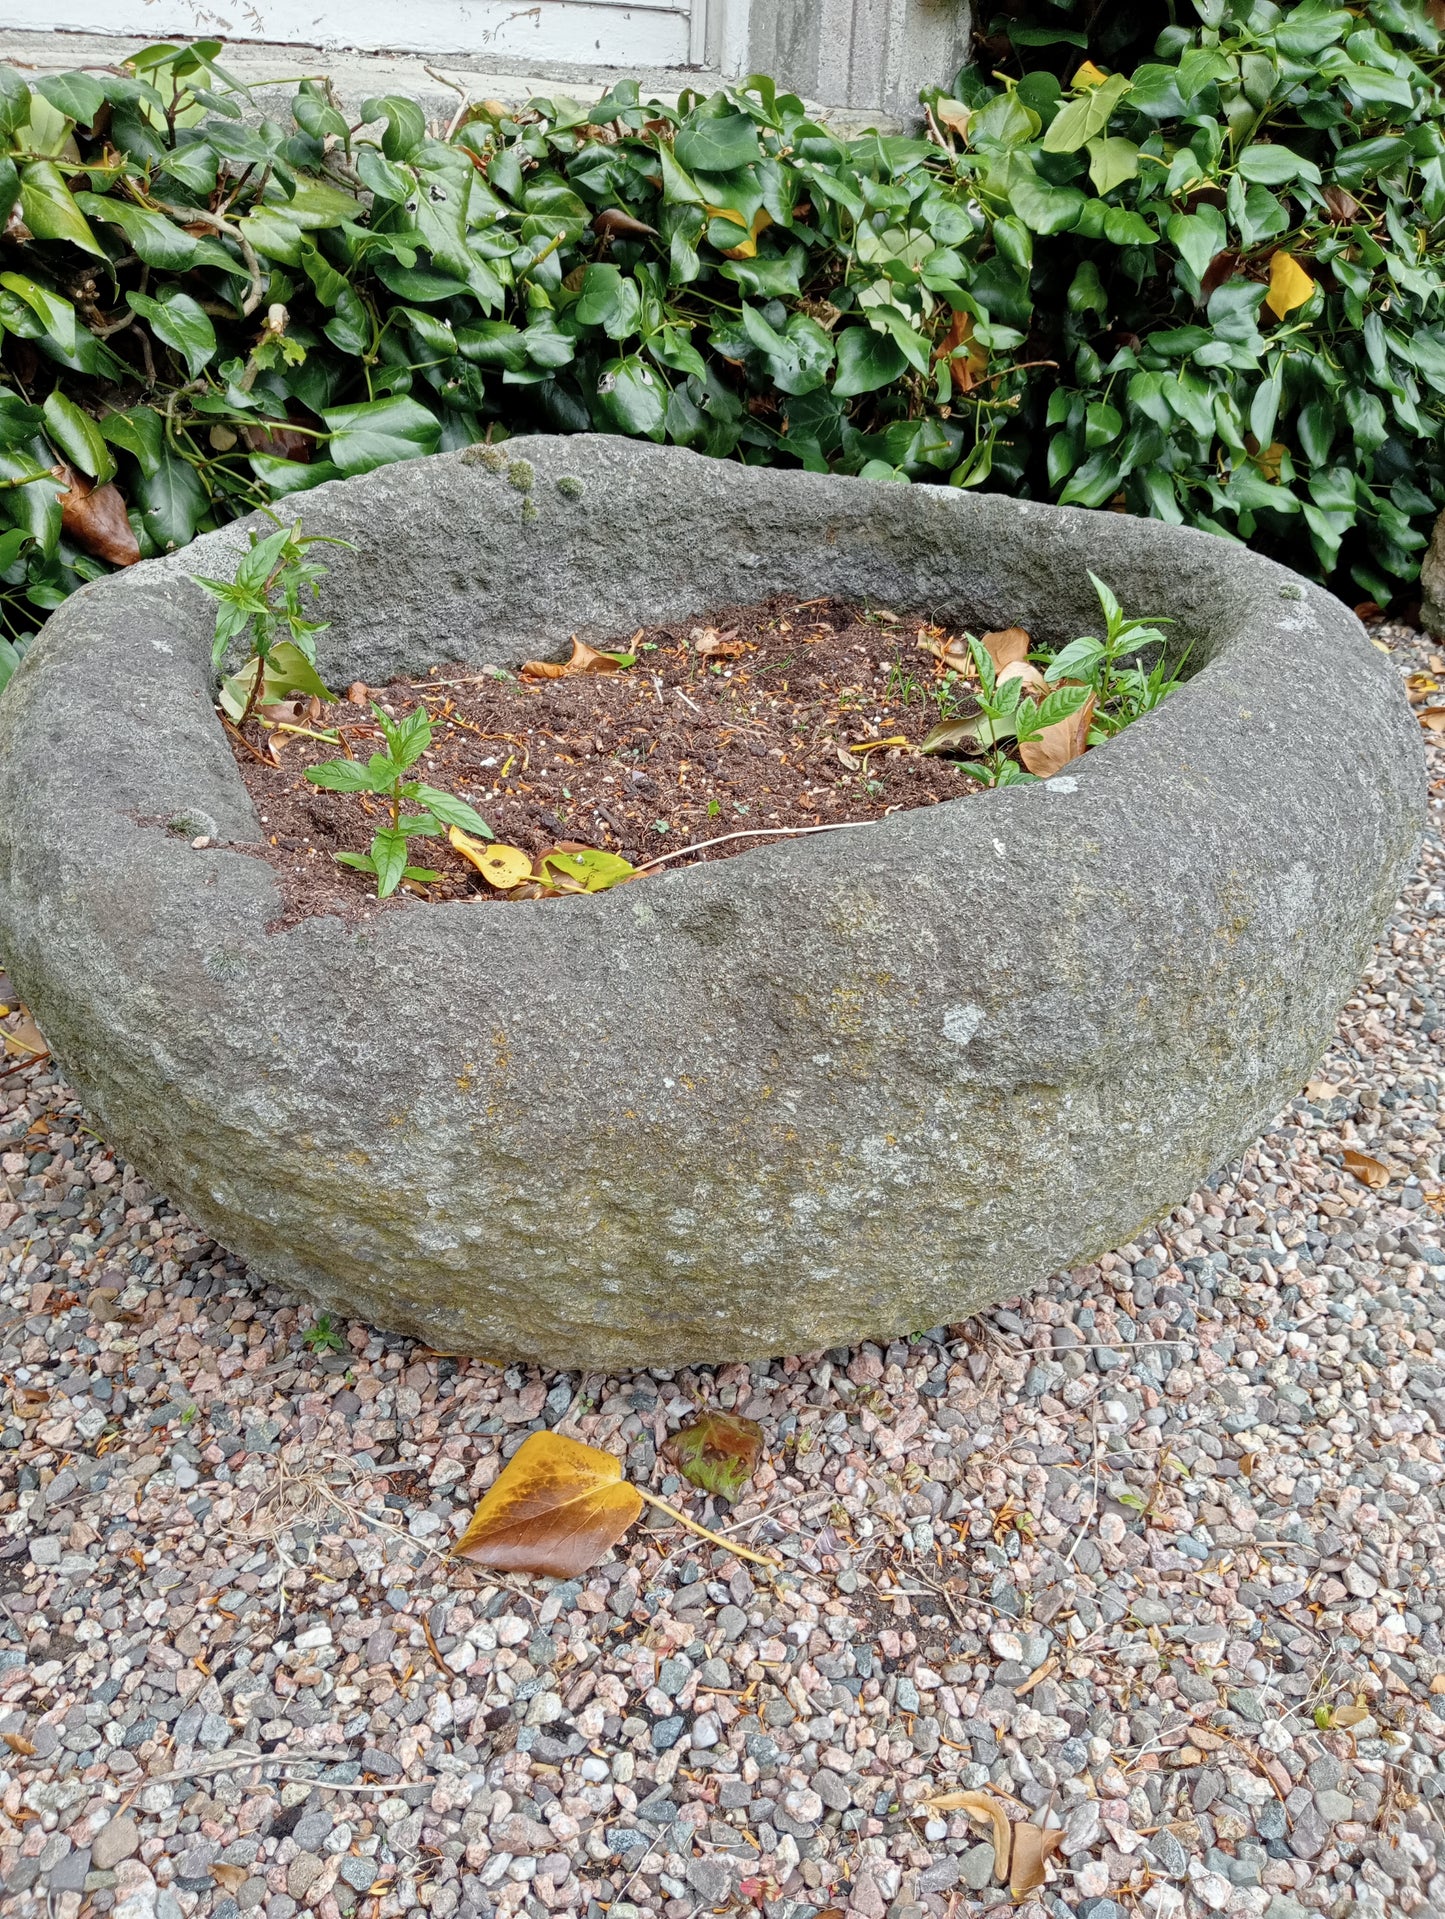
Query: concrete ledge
{"type": "Point", "coordinates": [273, 69]}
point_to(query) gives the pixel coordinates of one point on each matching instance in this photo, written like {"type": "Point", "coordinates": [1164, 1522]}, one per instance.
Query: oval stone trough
{"type": "Point", "coordinates": [851, 1084]}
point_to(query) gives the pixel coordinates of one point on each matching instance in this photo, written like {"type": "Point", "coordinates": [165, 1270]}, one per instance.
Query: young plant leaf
{"type": "Point", "coordinates": [718, 1451]}
{"type": "Point", "coordinates": [344, 776]}
{"type": "Point", "coordinates": [558, 1507]}
{"type": "Point", "coordinates": [453, 812]}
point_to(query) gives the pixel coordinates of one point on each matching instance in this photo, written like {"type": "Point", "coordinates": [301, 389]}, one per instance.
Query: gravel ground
{"type": "Point", "coordinates": [1156, 1554]}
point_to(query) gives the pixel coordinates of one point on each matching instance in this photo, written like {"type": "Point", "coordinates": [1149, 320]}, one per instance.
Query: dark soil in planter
{"type": "Point", "coordinates": [746, 719]}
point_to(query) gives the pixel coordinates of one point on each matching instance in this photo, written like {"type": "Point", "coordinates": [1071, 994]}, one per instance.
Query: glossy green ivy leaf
{"type": "Point", "coordinates": [374, 433]}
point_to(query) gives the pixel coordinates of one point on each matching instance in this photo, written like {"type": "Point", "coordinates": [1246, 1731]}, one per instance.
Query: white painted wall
{"type": "Point", "coordinates": [607, 32]}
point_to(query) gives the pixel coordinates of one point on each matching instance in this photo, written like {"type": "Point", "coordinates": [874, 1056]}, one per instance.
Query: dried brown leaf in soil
{"type": "Point", "coordinates": [585, 659]}
{"type": "Point", "coordinates": [1368, 1170]}
{"type": "Point", "coordinates": [988, 1811]}
{"type": "Point", "coordinates": [1032, 1845]}
{"type": "Point", "coordinates": [718, 1451]}
{"type": "Point", "coordinates": [1057, 745]}
{"type": "Point", "coordinates": [957, 736]}
{"type": "Point", "coordinates": [94, 517]}
{"type": "Point", "coordinates": [709, 644]}
{"type": "Point", "coordinates": [558, 1507]}
{"type": "Point", "coordinates": [1007, 646]}
{"type": "Point", "coordinates": [1025, 670]}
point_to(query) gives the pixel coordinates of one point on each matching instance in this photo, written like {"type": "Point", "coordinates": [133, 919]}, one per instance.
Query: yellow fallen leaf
{"type": "Point", "coordinates": [1420, 685]}
{"type": "Point", "coordinates": [1089, 75]}
{"type": "Point", "coordinates": [557, 1507]}
{"type": "Point", "coordinates": [1289, 285]}
{"type": "Point", "coordinates": [1367, 1170]}
{"type": "Point", "coordinates": [864, 747]}
{"type": "Point", "coordinates": [24, 1039]}
{"type": "Point", "coordinates": [988, 1811]}
{"type": "Point", "coordinates": [501, 866]}
{"type": "Point", "coordinates": [18, 1743]}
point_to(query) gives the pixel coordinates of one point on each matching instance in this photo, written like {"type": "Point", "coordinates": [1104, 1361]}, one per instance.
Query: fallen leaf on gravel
{"type": "Point", "coordinates": [1032, 1845]}
{"type": "Point", "coordinates": [1420, 686]}
{"type": "Point", "coordinates": [558, 1507]}
{"type": "Point", "coordinates": [1432, 719]}
{"type": "Point", "coordinates": [24, 1039]}
{"type": "Point", "coordinates": [1437, 1683]}
{"type": "Point", "coordinates": [1348, 1716]}
{"type": "Point", "coordinates": [1324, 1089]}
{"type": "Point", "coordinates": [718, 1451]}
{"type": "Point", "coordinates": [989, 1811]}
{"type": "Point", "coordinates": [94, 517]}
{"type": "Point", "coordinates": [229, 1877]}
{"type": "Point", "coordinates": [1369, 1171]}
{"type": "Point", "coordinates": [17, 1742]}
{"type": "Point", "coordinates": [30, 1402]}
{"type": "Point", "coordinates": [1057, 745]}
{"type": "Point", "coordinates": [501, 866]}
{"type": "Point", "coordinates": [1006, 647]}
{"type": "Point", "coordinates": [585, 659]}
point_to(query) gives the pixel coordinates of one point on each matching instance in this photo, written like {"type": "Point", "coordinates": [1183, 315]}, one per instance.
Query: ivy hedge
{"type": "Point", "coordinates": [1194, 274]}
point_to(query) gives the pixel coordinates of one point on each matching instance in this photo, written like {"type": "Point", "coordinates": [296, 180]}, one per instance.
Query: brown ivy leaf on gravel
{"type": "Point", "coordinates": [717, 1451]}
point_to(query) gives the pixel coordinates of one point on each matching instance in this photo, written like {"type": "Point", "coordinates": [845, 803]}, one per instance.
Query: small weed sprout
{"type": "Point", "coordinates": [385, 774]}
{"type": "Point", "coordinates": [264, 603]}
{"type": "Point", "coordinates": [325, 1336]}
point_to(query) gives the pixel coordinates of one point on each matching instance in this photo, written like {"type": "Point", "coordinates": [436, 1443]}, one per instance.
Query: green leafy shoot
{"type": "Point", "coordinates": [264, 606]}
{"type": "Point", "coordinates": [1122, 686]}
{"type": "Point", "coordinates": [325, 1336]}
{"type": "Point", "coordinates": [387, 775]}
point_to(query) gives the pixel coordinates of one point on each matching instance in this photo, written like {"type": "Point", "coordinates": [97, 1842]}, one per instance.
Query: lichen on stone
{"type": "Point", "coordinates": [529, 512]}
{"type": "Point", "coordinates": [520, 475]}
{"type": "Point", "coordinates": [570, 487]}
